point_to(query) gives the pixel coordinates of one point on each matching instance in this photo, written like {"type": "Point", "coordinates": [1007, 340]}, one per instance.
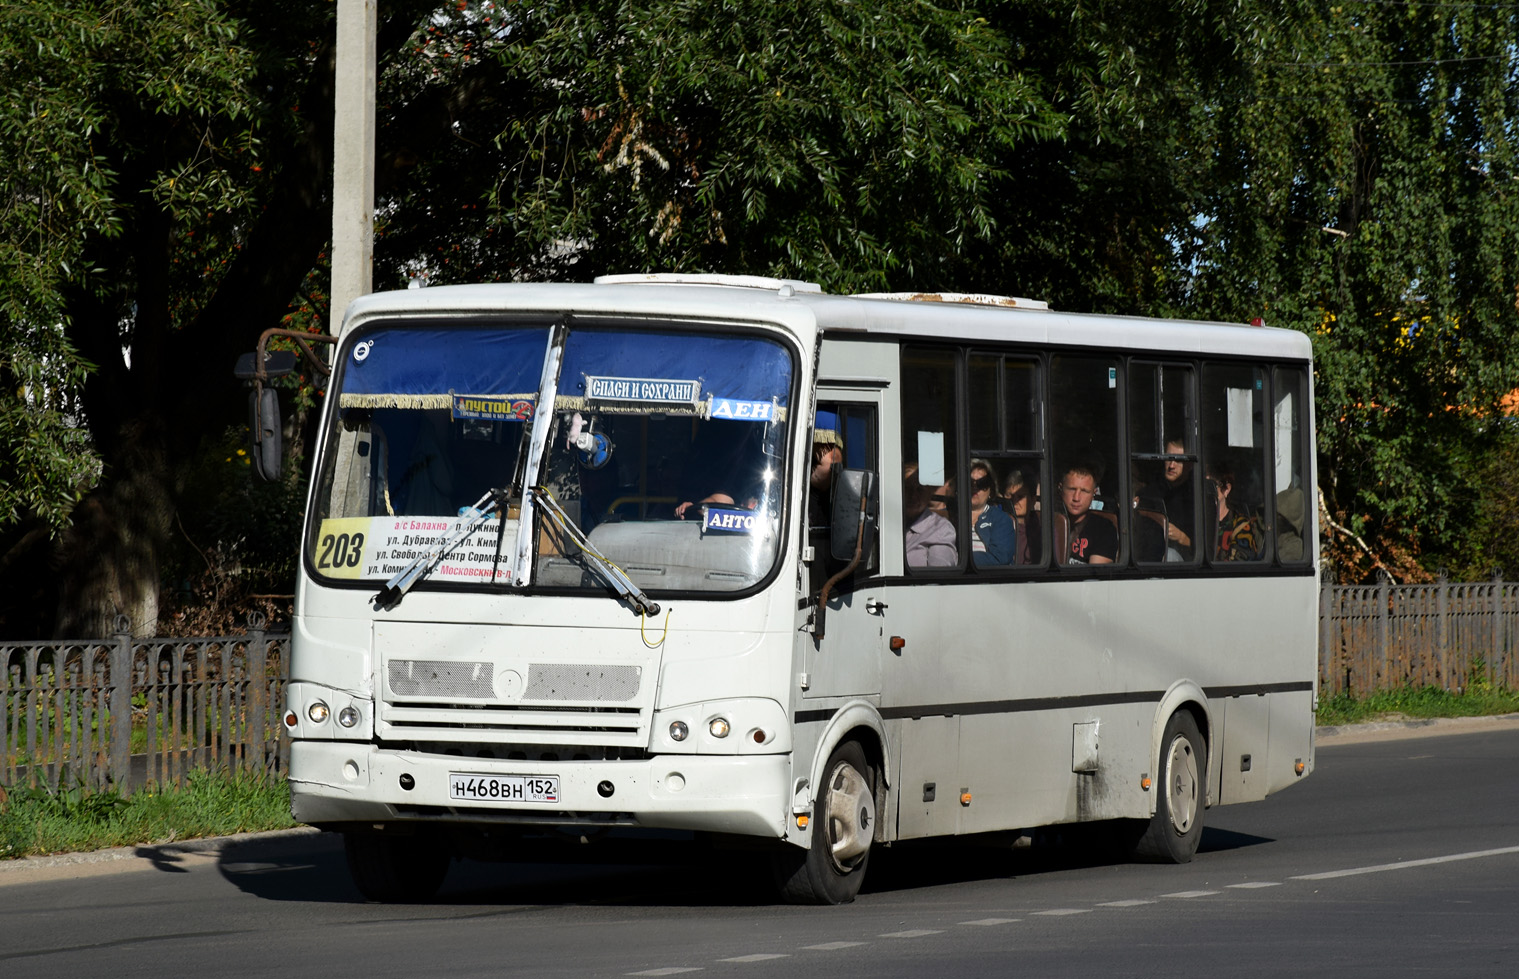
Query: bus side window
{"type": "Point", "coordinates": [1087, 475]}
{"type": "Point", "coordinates": [1234, 462]}
{"type": "Point", "coordinates": [1290, 437]}
{"type": "Point", "coordinates": [930, 441]}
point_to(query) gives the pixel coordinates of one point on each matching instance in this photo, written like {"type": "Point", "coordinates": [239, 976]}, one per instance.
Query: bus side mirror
{"type": "Point", "coordinates": [848, 522]}
{"type": "Point", "coordinates": [264, 428]}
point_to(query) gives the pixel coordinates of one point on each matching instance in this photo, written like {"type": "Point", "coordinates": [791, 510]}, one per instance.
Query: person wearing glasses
{"type": "Point", "coordinates": [1092, 539]}
{"type": "Point", "coordinates": [993, 539]}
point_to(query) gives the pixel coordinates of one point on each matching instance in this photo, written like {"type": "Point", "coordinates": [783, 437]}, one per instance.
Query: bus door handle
{"type": "Point", "coordinates": [874, 606]}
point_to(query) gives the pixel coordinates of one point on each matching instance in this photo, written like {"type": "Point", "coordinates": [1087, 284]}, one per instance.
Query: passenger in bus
{"type": "Point", "coordinates": [1092, 539]}
{"type": "Point", "coordinates": [930, 539]}
{"type": "Point", "coordinates": [1015, 495]}
{"type": "Point", "coordinates": [827, 453]}
{"type": "Point", "coordinates": [1175, 495]}
{"type": "Point", "coordinates": [943, 500]}
{"type": "Point", "coordinates": [993, 539]}
{"type": "Point", "coordinates": [1239, 537]}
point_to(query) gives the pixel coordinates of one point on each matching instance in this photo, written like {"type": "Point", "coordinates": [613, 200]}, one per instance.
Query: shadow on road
{"type": "Point", "coordinates": [661, 873]}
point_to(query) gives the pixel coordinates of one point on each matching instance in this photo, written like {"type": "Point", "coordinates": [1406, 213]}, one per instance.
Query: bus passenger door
{"type": "Point", "coordinates": [847, 660]}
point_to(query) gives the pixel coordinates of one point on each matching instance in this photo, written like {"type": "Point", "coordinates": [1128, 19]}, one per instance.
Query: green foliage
{"type": "Point", "coordinates": [853, 144]}
{"type": "Point", "coordinates": [37, 821]}
{"type": "Point", "coordinates": [1478, 700]}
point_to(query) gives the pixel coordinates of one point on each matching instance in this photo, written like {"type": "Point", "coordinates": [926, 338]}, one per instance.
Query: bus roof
{"type": "Point", "coordinates": [803, 309]}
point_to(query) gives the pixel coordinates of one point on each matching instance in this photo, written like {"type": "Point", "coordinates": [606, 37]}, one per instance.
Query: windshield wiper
{"type": "Point", "coordinates": [610, 573]}
{"type": "Point", "coordinates": [470, 519]}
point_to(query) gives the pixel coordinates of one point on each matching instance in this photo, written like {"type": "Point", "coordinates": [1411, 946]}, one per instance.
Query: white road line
{"type": "Point", "coordinates": [915, 933]}
{"type": "Point", "coordinates": [991, 921]}
{"type": "Point", "coordinates": [1061, 912]}
{"type": "Point", "coordinates": [1132, 902]}
{"type": "Point", "coordinates": [671, 971]}
{"type": "Point", "coordinates": [832, 946]}
{"type": "Point", "coordinates": [1252, 884]}
{"type": "Point", "coordinates": [756, 957]}
{"type": "Point", "coordinates": [1407, 864]}
{"type": "Point", "coordinates": [1191, 894]}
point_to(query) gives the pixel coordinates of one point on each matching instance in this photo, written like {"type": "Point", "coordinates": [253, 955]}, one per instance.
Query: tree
{"type": "Point", "coordinates": [181, 168]}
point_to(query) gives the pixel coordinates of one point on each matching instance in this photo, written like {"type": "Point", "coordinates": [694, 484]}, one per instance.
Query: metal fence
{"type": "Point", "coordinates": [1387, 636]}
{"type": "Point", "coordinates": [120, 713]}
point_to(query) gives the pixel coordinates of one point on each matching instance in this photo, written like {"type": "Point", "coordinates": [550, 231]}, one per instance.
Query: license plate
{"type": "Point", "coordinates": [469, 787]}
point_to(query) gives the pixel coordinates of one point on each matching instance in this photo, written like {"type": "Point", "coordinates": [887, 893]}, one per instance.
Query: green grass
{"type": "Point", "coordinates": [1417, 703]}
{"type": "Point", "coordinates": [35, 821]}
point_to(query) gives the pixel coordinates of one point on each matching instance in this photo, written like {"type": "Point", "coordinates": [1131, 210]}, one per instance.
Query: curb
{"type": "Point", "coordinates": [152, 851]}
{"type": "Point", "coordinates": [1416, 727]}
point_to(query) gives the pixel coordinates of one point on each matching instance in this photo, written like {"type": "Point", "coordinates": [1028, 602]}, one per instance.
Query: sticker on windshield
{"type": "Point", "coordinates": [358, 548]}
{"type": "Point", "coordinates": [752, 411]}
{"type": "Point", "coordinates": [492, 407]}
{"type": "Point", "coordinates": [665, 390]}
{"type": "Point", "coordinates": [729, 521]}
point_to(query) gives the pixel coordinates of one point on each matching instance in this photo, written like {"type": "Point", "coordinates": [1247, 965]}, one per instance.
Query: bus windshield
{"type": "Point", "coordinates": [665, 452]}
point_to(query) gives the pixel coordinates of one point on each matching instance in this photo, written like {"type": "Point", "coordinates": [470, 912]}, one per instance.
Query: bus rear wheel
{"type": "Point", "coordinates": [843, 826]}
{"type": "Point", "coordinates": [396, 869]}
{"type": "Point", "coordinates": [1177, 826]}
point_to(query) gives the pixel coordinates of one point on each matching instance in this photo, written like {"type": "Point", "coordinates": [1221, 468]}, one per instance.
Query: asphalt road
{"type": "Point", "coordinates": [1397, 858]}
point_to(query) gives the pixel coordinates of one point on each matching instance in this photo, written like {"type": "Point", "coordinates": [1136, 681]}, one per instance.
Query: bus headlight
{"type": "Point", "coordinates": [719, 727]}
{"type": "Point", "coordinates": [348, 717]}
{"type": "Point", "coordinates": [678, 730]}
{"type": "Point", "coordinates": [317, 712]}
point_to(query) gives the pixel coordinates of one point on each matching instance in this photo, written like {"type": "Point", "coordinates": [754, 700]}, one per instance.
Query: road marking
{"type": "Point", "coordinates": [832, 946]}
{"type": "Point", "coordinates": [1252, 884]}
{"type": "Point", "coordinates": [915, 933]}
{"type": "Point", "coordinates": [1060, 912]}
{"type": "Point", "coordinates": [1132, 902]}
{"type": "Point", "coordinates": [671, 971]}
{"type": "Point", "coordinates": [756, 957]}
{"type": "Point", "coordinates": [991, 921]}
{"type": "Point", "coordinates": [1407, 864]}
{"type": "Point", "coordinates": [1191, 894]}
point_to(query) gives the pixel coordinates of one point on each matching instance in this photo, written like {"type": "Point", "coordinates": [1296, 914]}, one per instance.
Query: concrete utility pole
{"type": "Point", "coordinates": [353, 157]}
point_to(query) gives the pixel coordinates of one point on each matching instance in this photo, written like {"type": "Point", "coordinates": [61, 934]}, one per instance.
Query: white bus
{"type": "Point", "coordinates": [730, 556]}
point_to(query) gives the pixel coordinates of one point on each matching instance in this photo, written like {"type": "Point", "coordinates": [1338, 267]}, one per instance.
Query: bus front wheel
{"type": "Point", "coordinates": [396, 869]}
{"type": "Point", "coordinates": [843, 826]}
{"type": "Point", "coordinates": [1177, 826]}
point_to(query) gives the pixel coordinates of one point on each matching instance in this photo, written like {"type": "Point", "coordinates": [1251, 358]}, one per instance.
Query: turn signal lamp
{"type": "Point", "coordinates": [1144, 782]}
{"type": "Point", "coordinates": [317, 712]}
{"type": "Point", "coordinates": [801, 821]}
{"type": "Point", "coordinates": [291, 718]}
{"type": "Point", "coordinates": [1299, 767]}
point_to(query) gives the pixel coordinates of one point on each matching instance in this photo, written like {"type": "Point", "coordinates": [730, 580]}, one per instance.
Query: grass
{"type": "Point", "coordinates": [36, 821]}
{"type": "Point", "coordinates": [1416, 702]}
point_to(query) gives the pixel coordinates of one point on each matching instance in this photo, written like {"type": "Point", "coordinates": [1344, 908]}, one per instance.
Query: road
{"type": "Point", "coordinates": [1397, 858]}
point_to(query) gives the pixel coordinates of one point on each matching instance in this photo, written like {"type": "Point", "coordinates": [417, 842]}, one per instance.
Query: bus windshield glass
{"type": "Point", "coordinates": [664, 452]}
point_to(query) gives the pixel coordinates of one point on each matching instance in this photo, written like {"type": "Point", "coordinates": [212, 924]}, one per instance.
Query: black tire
{"type": "Point", "coordinates": [843, 824]}
{"type": "Point", "coordinates": [1181, 794]}
{"type": "Point", "coordinates": [396, 869]}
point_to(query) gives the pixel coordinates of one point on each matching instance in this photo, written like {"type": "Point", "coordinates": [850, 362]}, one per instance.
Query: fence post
{"type": "Point", "coordinates": [1442, 635]}
{"type": "Point", "coordinates": [1492, 661]}
{"type": "Point", "coordinates": [121, 707]}
{"type": "Point", "coordinates": [257, 671]}
{"type": "Point", "coordinates": [1383, 578]}
{"type": "Point", "coordinates": [1327, 658]}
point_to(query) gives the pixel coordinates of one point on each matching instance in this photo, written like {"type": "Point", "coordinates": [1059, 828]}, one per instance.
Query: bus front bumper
{"type": "Point", "coordinates": [337, 782]}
